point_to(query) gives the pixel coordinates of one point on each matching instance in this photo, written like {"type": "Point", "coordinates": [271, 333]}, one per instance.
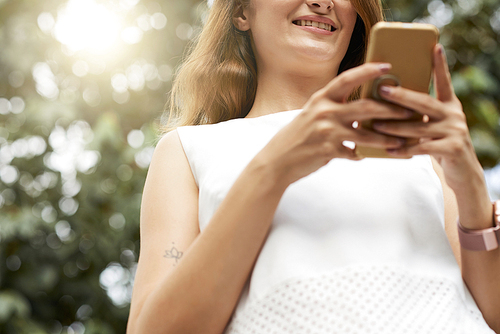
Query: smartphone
{"type": "Point", "coordinates": [409, 48]}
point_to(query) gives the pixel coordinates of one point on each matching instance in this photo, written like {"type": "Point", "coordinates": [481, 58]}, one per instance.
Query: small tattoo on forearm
{"type": "Point", "coordinates": [173, 253]}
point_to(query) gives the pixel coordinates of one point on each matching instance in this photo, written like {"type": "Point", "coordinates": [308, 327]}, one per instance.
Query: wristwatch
{"type": "Point", "coordinates": [481, 240]}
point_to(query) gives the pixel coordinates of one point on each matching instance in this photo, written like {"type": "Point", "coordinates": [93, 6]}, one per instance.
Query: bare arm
{"type": "Point", "coordinates": [447, 139]}
{"type": "Point", "coordinates": [199, 294]}
{"type": "Point", "coordinates": [480, 270]}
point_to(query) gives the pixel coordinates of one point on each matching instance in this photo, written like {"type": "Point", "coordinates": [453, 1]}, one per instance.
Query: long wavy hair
{"type": "Point", "coordinates": [218, 78]}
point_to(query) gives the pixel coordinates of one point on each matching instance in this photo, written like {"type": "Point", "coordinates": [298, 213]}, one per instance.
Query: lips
{"type": "Point", "coordinates": [319, 22]}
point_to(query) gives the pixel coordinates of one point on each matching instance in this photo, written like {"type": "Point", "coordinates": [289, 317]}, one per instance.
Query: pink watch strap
{"type": "Point", "coordinates": [481, 240]}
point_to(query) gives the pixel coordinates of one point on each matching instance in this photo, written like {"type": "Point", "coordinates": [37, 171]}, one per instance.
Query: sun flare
{"type": "Point", "coordinates": [87, 25]}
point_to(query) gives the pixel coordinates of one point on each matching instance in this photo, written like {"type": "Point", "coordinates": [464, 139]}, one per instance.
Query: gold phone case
{"type": "Point", "coordinates": [408, 47]}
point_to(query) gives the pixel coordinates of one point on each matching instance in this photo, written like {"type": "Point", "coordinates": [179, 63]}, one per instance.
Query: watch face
{"type": "Point", "coordinates": [491, 239]}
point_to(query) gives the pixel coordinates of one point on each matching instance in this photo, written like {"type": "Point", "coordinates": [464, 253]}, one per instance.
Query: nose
{"type": "Point", "coordinates": [321, 5]}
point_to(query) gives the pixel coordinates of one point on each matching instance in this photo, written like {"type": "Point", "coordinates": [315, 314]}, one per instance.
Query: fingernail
{"type": "Point", "coordinates": [408, 112]}
{"type": "Point", "coordinates": [392, 150]}
{"type": "Point", "coordinates": [441, 49]}
{"type": "Point", "coordinates": [385, 67]}
{"type": "Point", "coordinates": [401, 141]}
{"type": "Point", "coordinates": [378, 125]}
{"type": "Point", "coordinates": [385, 90]}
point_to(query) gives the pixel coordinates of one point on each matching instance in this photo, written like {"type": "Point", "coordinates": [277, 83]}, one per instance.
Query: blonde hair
{"type": "Point", "coordinates": [218, 79]}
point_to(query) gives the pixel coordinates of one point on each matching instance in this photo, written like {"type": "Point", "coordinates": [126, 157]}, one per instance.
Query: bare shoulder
{"type": "Point", "coordinates": [450, 211]}
{"type": "Point", "coordinates": [169, 216]}
{"type": "Point", "coordinates": [169, 148]}
{"type": "Point", "coordinates": [170, 188]}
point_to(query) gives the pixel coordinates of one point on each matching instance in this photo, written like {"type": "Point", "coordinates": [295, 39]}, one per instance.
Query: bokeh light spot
{"type": "Point", "coordinates": [49, 214]}
{"type": "Point", "coordinates": [9, 196]}
{"type": "Point", "coordinates": [116, 280]}
{"type": "Point", "coordinates": [158, 21]}
{"type": "Point", "coordinates": [17, 105]}
{"type": "Point", "coordinates": [80, 68]}
{"type": "Point", "coordinates": [77, 327]}
{"type": "Point", "coordinates": [16, 79]}
{"type": "Point", "coordinates": [70, 269]}
{"type": "Point", "coordinates": [143, 157]}
{"type": "Point", "coordinates": [84, 312]}
{"type": "Point", "coordinates": [45, 81]}
{"type": "Point", "coordinates": [109, 185]}
{"type": "Point", "coordinates": [46, 22]}
{"type": "Point", "coordinates": [71, 187]}
{"type": "Point", "coordinates": [184, 31]}
{"type": "Point", "coordinates": [124, 172]}
{"type": "Point", "coordinates": [119, 82]}
{"type": "Point", "coordinates": [9, 174]}
{"type": "Point", "coordinates": [5, 106]}
{"type": "Point", "coordinates": [144, 22]}
{"type": "Point", "coordinates": [165, 73]}
{"type": "Point", "coordinates": [13, 263]}
{"type": "Point", "coordinates": [92, 96]}
{"type": "Point", "coordinates": [117, 221]}
{"type": "Point", "coordinates": [53, 241]}
{"type": "Point", "coordinates": [135, 138]}
{"type": "Point", "coordinates": [495, 21]}
{"type": "Point", "coordinates": [121, 98]}
{"type": "Point", "coordinates": [63, 229]}
{"type": "Point", "coordinates": [68, 205]}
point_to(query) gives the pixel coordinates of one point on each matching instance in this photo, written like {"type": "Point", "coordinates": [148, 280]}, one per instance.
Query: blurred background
{"type": "Point", "coordinates": [83, 84]}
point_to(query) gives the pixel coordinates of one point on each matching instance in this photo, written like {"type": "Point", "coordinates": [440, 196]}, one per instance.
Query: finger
{"type": "Point", "coordinates": [367, 109]}
{"type": "Point", "coordinates": [410, 129]}
{"type": "Point", "coordinates": [442, 78]}
{"type": "Point", "coordinates": [369, 138]}
{"type": "Point", "coordinates": [342, 86]}
{"type": "Point", "coordinates": [420, 102]}
{"type": "Point", "coordinates": [437, 147]}
{"type": "Point", "coordinates": [347, 153]}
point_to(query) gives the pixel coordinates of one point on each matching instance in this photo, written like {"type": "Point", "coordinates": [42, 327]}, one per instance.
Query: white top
{"type": "Point", "coordinates": [355, 247]}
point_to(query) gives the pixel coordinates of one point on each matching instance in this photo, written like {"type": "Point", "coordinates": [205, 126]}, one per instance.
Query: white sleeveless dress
{"type": "Point", "coordinates": [355, 247]}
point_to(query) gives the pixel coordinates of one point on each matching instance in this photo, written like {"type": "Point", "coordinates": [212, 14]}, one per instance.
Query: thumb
{"type": "Point", "coordinates": [341, 87]}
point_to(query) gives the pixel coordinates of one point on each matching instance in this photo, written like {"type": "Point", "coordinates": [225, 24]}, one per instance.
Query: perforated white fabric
{"type": "Point", "coordinates": [369, 300]}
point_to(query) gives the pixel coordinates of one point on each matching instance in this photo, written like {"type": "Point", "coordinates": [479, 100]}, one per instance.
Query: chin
{"type": "Point", "coordinates": [318, 53]}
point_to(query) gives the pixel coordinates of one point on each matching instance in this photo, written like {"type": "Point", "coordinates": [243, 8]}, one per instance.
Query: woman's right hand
{"type": "Point", "coordinates": [317, 134]}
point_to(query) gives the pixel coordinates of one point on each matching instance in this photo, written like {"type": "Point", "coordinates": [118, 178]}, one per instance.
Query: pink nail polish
{"type": "Point", "coordinates": [385, 90]}
{"type": "Point", "coordinates": [392, 151]}
{"type": "Point", "coordinates": [385, 67]}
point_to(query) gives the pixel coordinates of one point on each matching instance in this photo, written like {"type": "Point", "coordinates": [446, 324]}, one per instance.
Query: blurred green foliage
{"type": "Point", "coordinates": [470, 32]}
{"type": "Point", "coordinates": [77, 130]}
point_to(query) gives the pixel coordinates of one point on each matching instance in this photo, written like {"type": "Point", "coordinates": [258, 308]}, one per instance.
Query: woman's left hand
{"type": "Point", "coordinates": [444, 134]}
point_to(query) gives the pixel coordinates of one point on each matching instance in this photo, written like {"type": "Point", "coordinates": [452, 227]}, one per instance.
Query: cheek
{"type": "Point", "coordinates": [346, 13]}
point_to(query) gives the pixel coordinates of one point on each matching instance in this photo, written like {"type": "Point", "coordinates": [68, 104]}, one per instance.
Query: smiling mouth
{"type": "Point", "coordinates": [307, 23]}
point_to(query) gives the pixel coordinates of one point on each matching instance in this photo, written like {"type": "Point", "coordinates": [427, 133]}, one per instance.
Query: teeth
{"type": "Point", "coordinates": [320, 25]}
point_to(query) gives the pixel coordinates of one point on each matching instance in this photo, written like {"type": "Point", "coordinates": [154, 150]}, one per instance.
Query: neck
{"type": "Point", "coordinates": [284, 90]}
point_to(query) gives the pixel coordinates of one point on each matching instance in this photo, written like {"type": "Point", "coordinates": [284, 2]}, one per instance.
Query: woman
{"type": "Point", "coordinates": [266, 223]}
